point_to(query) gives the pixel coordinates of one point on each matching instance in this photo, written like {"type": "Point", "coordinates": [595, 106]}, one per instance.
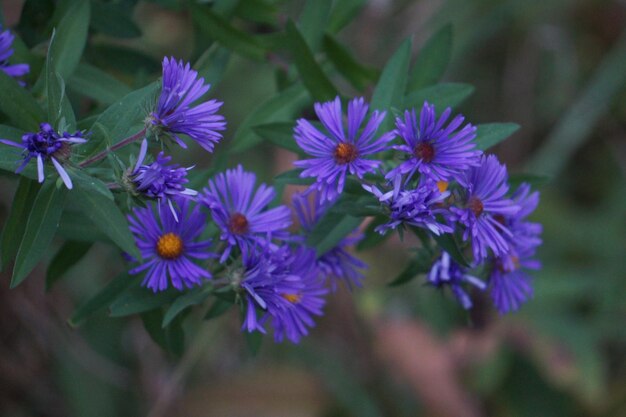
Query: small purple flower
{"type": "Point", "coordinates": [446, 272]}
{"type": "Point", "coordinates": [337, 264]}
{"type": "Point", "coordinates": [437, 152]}
{"type": "Point", "coordinates": [241, 213]}
{"type": "Point", "coordinates": [483, 199]}
{"type": "Point", "coordinates": [6, 51]}
{"type": "Point", "coordinates": [414, 207]}
{"type": "Point", "coordinates": [168, 246]}
{"type": "Point", "coordinates": [45, 145]}
{"type": "Point", "coordinates": [159, 180]}
{"type": "Point", "coordinates": [175, 113]}
{"type": "Point", "coordinates": [336, 154]}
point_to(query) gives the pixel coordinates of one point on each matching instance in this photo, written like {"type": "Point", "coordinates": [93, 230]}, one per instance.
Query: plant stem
{"type": "Point", "coordinates": [139, 135]}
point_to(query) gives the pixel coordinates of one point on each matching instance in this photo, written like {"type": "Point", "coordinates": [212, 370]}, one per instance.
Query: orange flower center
{"type": "Point", "coordinates": [475, 205]}
{"type": "Point", "coordinates": [345, 153]}
{"type": "Point", "coordinates": [238, 224]}
{"type": "Point", "coordinates": [424, 151]}
{"type": "Point", "coordinates": [169, 246]}
{"type": "Point", "coordinates": [293, 298]}
{"type": "Point", "coordinates": [443, 186]}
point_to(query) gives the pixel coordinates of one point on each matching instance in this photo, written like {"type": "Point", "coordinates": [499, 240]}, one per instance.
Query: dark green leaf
{"type": "Point", "coordinates": [15, 224]}
{"type": "Point", "coordinates": [441, 95]}
{"type": "Point", "coordinates": [389, 90]}
{"type": "Point", "coordinates": [343, 12]}
{"type": "Point", "coordinates": [19, 105]}
{"type": "Point", "coordinates": [75, 225]}
{"type": "Point", "coordinates": [371, 237]}
{"type": "Point", "coordinates": [534, 181]}
{"type": "Point", "coordinates": [313, 21]}
{"type": "Point", "coordinates": [11, 133]}
{"type": "Point", "coordinates": [216, 27]}
{"type": "Point", "coordinates": [105, 214]}
{"type": "Point", "coordinates": [312, 75]}
{"type": "Point", "coordinates": [351, 69]}
{"type": "Point", "coordinates": [188, 299]}
{"type": "Point", "coordinates": [259, 11]}
{"type": "Point", "coordinates": [420, 264]}
{"type": "Point", "coordinates": [68, 256]}
{"type": "Point", "coordinates": [330, 230]}
{"type": "Point", "coordinates": [114, 20]}
{"type": "Point", "coordinates": [280, 134]}
{"type": "Point", "coordinates": [432, 60]}
{"type": "Point", "coordinates": [447, 242]}
{"type": "Point", "coordinates": [70, 39]}
{"type": "Point", "coordinates": [41, 226]}
{"type": "Point", "coordinates": [254, 341]}
{"type": "Point", "coordinates": [218, 308]}
{"type": "Point", "coordinates": [92, 82]}
{"type": "Point", "coordinates": [212, 64]}
{"type": "Point", "coordinates": [138, 300]}
{"type": "Point", "coordinates": [103, 298]}
{"type": "Point", "coordinates": [488, 135]}
{"type": "Point", "coordinates": [87, 182]}
{"type": "Point", "coordinates": [172, 338]}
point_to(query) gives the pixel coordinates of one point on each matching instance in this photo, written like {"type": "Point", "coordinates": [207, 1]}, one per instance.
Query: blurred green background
{"type": "Point", "coordinates": [556, 67]}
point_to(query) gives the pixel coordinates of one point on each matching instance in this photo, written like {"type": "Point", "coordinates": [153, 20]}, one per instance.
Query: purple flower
{"type": "Point", "coordinates": [446, 272]}
{"type": "Point", "coordinates": [483, 199]}
{"type": "Point", "coordinates": [175, 113]}
{"type": "Point", "coordinates": [414, 207]}
{"type": "Point", "coordinates": [160, 180]}
{"type": "Point", "coordinates": [285, 287]}
{"type": "Point", "coordinates": [241, 213]}
{"type": "Point", "coordinates": [436, 151]}
{"type": "Point", "coordinates": [168, 246]}
{"type": "Point", "coordinates": [336, 154]}
{"type": "Point", "coordinates": [6, 51]}
{"type": "Point", "coordinates": [337, 264]}
{"type": "Point", "coordinates": [45, 145]}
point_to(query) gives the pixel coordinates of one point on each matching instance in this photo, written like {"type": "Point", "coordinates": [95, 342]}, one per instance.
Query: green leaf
{"type": "Point", "coordinates": [105, 214]}
{"type": "Point", "coordinates": [280, 134]}
{"type": "Point", "coordinates": [212, 64]}
{"type": "Point", "coordinates": [68, 256]}
{"type": "Point", "coordinates": [19, 105]}
{"type": "Point", "coordinates": [75, 225]}
{"type": "Point", "coordinates": [293, 177]}
{"type": "Point", "coordinates": [488, 135]}
{"type": "Point", "coordinates": [279, 107]}
{"type": "Point", "coordinates": [432, 60]}
{"type": "Point", "coordinates": [139, 300]}
{"type": "Point", "coordinates": [448, 243]}
{"type": "Point", "coordinates": [313, 20]}
{"type": "Point", "coordinates": [172, 338]}
{"type": "Point", "coordinates": [371, 237]}
{"type": "Point", "coordinates": [41, 226]}
{"type": "Point", "coordinates": [312, 75]}
{"type": "Point", "coordinates": [330, 230]}
{"type": "Point", "coordinates": [440, 95]}
{"type": "Point", "coordinates": [103, 298]}
{"type": "Point", "coordinates": [254, 340]}
{"type": "Point", "coordinates": [420, 264]}
{"type": "Point", "coordinates": [389, 91]}
{"type": "Point", "coordinates": [218, 308]}
{"type": "Point", "coordinates": [92, 82]}
{"type": "Point", "coordinates": [216, 27]}
{"type": "Point", "coordinates": [188, 299]}
{"type": "Point", "coordinates": [114, 20]}
{"type": "Point", "coordinates": [344, 12]}
{"type": "Point", "coordinates": [259, 11]}
{"type": "Point", "coordinates": [70, 39]}
{"type": "Point", "coordinates": [351, 69]}
{"type": "Point", "coordinates": [15, 224]}
{"type": "Point", "coordinates": [87, 182]}
{"type": "Point", "coordinates": [533, 180]}
{"type": "Point", "coordinates": [11, 133]}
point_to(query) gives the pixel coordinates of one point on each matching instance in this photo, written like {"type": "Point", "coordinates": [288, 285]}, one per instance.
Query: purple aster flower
{"type": "Point", "coordinates": [337, 264]}
{"type": "Point", "coordinates": [335, 153]}
{"type": "Point", "coordinates": [46, 145]}
{"type": "Point", "coordinates": [436, 151]}
{"type": "Point", "coordinates": [446, 272]}
{"type": "Point", "coordinates": [159, 180]}
{"type": "Point", "coordinates": [6, 51]}
{"type": "Point", "coordinates": [483, 199]}
{"type": "Point", "coordinates": [414, 207]}
{"type": "Point", "coordinates": [168, 246]}
{"type": "Point", "coordinates": [175, 113]}
{"type": "Point", "coordinates": [241, 213]}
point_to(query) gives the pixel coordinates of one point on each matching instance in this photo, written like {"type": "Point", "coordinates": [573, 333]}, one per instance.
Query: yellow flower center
{"type": "Point", "coordinates": [169, 246]}
{"type": "Point", "coordinates": [293, 298]}
{"type": "Point", "coordinates": [443, 186]}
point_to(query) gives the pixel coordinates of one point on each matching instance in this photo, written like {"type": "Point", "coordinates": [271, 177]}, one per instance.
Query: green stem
{"type": "Point", "coordinates": [139, 135]}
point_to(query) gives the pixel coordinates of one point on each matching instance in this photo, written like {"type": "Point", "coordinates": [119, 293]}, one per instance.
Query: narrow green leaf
{"type": "Point", "coordinates": [280, 134]}
{"type": "Point", "coordinates": [344, 12]}
{"type": "Point", "coordinates": [68, 256]}
{"type": "Point", "coordinates": [440, 95]}
{"type": "Point", "coordinates": [351, 69]}
{"type": "Point", "coordinates": [312, 75]}
{"type": "Point", "coordinates": [330, 230]}
{"type": "Point", "coordinates": [488, 135]}
{"type": "Point", "coordinates": [420, 264]}
{"type": "Point", "coordinates": [432, 60]}
{"type": "Point", "coordinates": [389, 91]}
{"type": "Point", "coordinates": [70, 39]}
{"type": "Point", "coordinates": [313, 21]}
{"type": "Point", "coordinates": [87, 182]}
{"type": "Point", "coordinates": [371, 237]}
{"type": "Point", "coordinates": [218, 28]}
{"type": "Point", "coordinates": [15, 224]}
{"type": "Point", "coordinates": [447, 242]}
{"type": "Point", "coordinates": [188, 299]}
{"type": "Point", "coordinates": [114, 20]}
{"type": "Point", "coordinates": [172, 338]}
{"type": "Point", "coordinates": [75, 225]}
{"type": "Point", "coordinates": [138, 300]}
{"type": "Point", "coordinates": [41, 226]}
{"type": "Point", "coordinates": [218, 308]}
{"type": "Point", "coordinates": [103, 298]}
{"type": "Point", "coordinates": [19, 105]}
{"type": "Point", "coordinates": [105, 214]}
{"type": "Point", "coordinates": [534, 181]}
{"type": "Point", "coordinates": [11, 133]}
{"type": "Point", "coordinates": [92, 82]}
{"type": "Point", "coordinates": [259, 11]}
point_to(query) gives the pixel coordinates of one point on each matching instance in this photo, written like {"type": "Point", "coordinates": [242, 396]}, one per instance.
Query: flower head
{"type": "Point", "coordinates": [168, 246]}
{"type": "Point", "coordinates": [175, 113]}
{"type": "Point", "coordinates": [335, 153]}
{"type": "Point", "coordinates": [436, 151]}
{"type": "Point", "coordinates": [446, 272]}
{"type": "Point", "coordinates": [46, 145]}
{"type": "Point", "coordinates": [338, 264]}
{"type": "Point", "coordinates": [241, 213]}
{"type": "Point", "coordinates": [6, 51]}
{"type": "Point", "coordinates": [483, 199]}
